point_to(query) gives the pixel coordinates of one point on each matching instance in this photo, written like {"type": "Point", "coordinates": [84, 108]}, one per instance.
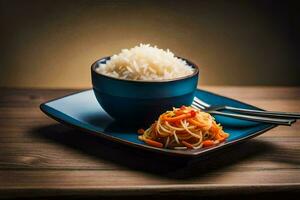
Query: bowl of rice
{"type": "Point", "coordinates": [140, 83]}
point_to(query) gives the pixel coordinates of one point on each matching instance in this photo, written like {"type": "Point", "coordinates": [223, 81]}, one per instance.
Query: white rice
{"type": "Point", "coordinates": [145, 62]}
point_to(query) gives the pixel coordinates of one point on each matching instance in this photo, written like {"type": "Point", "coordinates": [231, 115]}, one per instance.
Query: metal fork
{"type": "Point", "coordinates": [290, 115]}
{"type": "Point", "coordinates": [197, 103]}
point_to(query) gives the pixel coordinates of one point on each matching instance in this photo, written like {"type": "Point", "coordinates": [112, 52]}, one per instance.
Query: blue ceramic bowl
{"type": "Point", "coordinates": [135, 100]}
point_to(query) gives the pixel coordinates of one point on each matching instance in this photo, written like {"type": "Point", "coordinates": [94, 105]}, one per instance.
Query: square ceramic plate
{"type": "Point", "coordinates": [81, 110]}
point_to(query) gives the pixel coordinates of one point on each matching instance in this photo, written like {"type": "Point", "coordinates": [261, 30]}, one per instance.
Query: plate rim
{"type": "Point", "coordinates": [169, 152]}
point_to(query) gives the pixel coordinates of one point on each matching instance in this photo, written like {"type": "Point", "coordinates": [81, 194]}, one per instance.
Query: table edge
{"type": "Point", "coordinates": [178, 189]}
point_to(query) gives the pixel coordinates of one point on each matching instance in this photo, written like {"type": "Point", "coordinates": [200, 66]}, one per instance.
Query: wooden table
{"type": "Point", "coordinates": [41, 158]}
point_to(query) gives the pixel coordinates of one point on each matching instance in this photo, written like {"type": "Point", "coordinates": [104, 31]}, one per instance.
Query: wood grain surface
{"type": "Point", "coordinates": [42, 158]}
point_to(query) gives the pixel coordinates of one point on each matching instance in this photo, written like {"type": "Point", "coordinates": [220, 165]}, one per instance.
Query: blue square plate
{"type": "Point", "coordinates": [81, 110]}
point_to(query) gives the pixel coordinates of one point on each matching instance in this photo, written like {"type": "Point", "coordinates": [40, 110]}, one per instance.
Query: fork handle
{"type": "Point", "coordinates": [264, 113]}
{"type": "Point", "coordinates": [278, 121]}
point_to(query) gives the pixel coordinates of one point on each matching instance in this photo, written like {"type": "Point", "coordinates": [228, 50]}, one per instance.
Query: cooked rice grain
{"type": "Point", "coordinates": [145, 62]}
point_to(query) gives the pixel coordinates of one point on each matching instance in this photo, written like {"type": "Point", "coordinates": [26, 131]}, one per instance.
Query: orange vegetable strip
{"type": "Point", "coordinates": [219, 136]}
{"type": "Point", "coordinates": [141, 131]}
{"type": "Point", "coordinates": [153, 143]}
{"type": "Point", "coordinates": [177, 123]}
{"type": "Point", "coordinates": [214, 127]}
{"type": "Point", "coordinates": [194, 122]}
{"type": "Point", "coordinates": [225, 134]}
{"type": "Point", "coordinates": [179, 112]}
{"type": "Point", "coordinates": [188, 145]}
{"type": "Point", "coordinates": [177, 118]}
{"type": "Point", "coordinates": [208, 143]}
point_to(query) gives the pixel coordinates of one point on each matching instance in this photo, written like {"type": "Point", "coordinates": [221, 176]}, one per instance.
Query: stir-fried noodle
{"type": "Point", "coordinates": [184, 128]}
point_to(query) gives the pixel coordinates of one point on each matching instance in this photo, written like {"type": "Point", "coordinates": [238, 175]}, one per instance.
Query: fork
{"type": "Point", "coordinates": [250, 111]}
{"type": "Point", "coordinates": [197, 103]}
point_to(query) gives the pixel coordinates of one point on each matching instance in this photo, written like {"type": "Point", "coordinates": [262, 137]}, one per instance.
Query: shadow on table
{"type": "Point", "coordinates": [162, 165]}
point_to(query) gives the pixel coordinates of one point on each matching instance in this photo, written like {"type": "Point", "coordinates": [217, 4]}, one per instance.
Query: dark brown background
{"type": "Point", "coordinates": [52, 43]}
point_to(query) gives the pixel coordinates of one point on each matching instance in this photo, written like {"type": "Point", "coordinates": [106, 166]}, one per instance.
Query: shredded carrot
{"type": "Point", "coordinates": [218, 136]}
{"type": "Point", "coordinates": [226, 135]}
{"type": "Point", "coordinates": [179, 112]}
{"type": "Point", "coordinates": [177, 123]}
{"type": "Point", "coordinates": [188, 145]}
{"type": "Point", "coordinates": [221, 136]}
{"type": "Point", "coordinates": [222, 139]}
{"type": "Point", "coordinates": [141, 131]}
{"type": "Point", "coordinates": [153, 143]}
{"type": "Point", "coordinates": [214, 127]}
{"type": "Point", "coordinates": [177, 118]}
{"type": "Point", "coordinates": [208, 143]}
{"type": "Point", "coordinates": [194, 122]}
